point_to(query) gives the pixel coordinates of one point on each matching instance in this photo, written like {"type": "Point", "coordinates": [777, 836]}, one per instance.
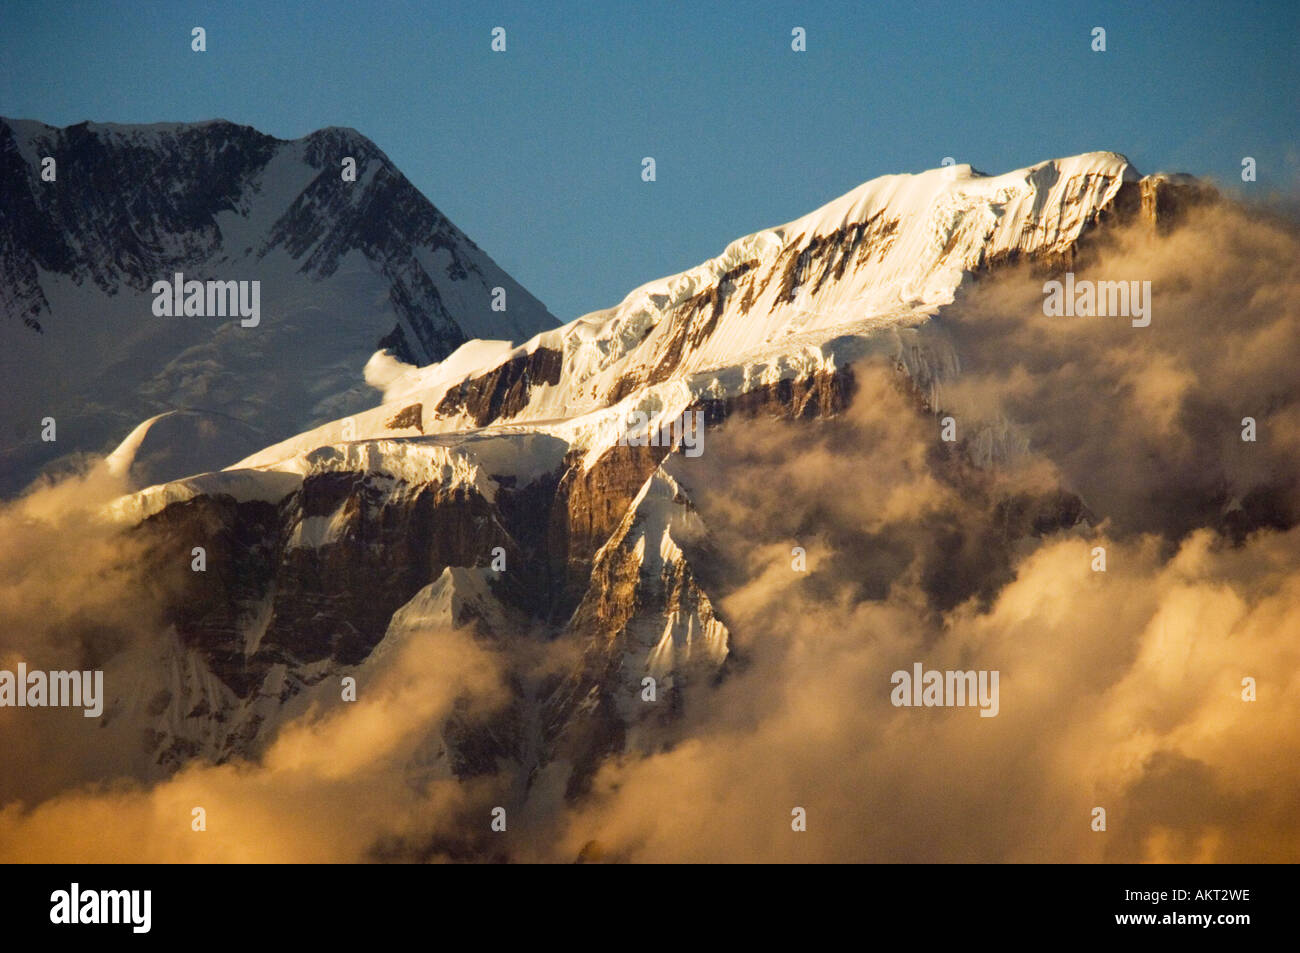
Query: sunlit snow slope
{"type": "Point", "coordinates": [855, 276]}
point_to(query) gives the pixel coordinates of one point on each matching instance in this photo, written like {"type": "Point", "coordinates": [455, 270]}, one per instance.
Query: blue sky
{"type": "Point", "coordinates": [536, 152]}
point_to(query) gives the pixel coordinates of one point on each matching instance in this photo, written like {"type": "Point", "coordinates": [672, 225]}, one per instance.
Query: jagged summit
{"type": "Point", "coordinates": [797, 300]}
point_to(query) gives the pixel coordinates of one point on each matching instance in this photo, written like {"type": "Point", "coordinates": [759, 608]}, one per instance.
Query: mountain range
{"type": "Point", "coordinates": [491, 482]}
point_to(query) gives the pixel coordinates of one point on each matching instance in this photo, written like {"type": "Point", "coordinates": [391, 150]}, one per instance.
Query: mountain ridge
{"type": "Point", "coordinates": [778, 304]}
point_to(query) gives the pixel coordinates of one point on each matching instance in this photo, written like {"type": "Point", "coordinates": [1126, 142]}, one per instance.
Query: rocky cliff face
{"type": "Point", "coordinates": [601, 558]}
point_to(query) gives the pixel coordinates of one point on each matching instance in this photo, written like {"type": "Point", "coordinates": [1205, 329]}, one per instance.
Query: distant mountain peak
{"type": "Point", "coordinates": [345, 268]}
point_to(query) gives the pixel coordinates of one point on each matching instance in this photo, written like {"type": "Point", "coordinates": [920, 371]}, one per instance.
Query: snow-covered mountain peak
{"type": "Point", "coordinates": [856, 276]}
